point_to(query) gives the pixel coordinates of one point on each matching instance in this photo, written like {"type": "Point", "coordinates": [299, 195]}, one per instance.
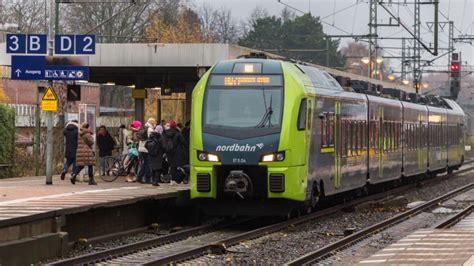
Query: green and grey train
{"type": "Point", "coordinates": [269, 135]}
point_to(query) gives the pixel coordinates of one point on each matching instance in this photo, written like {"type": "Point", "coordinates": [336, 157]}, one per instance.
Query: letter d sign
{"type": "Point", "coordinates": [64, 44]}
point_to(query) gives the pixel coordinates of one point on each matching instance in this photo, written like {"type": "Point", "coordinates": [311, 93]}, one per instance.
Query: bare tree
{"type": "Point", "coordinates": [29, 15]}
{"type": "Point", "coordinates": [226, 27]}
{"type": "Point", "coordinates": [128, 26]}
{"type": "Point", "coordinates": [207, 17]}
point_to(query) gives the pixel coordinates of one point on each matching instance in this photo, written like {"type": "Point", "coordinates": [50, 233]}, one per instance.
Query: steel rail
{"type": "Point", "coordinates": [199, 251]}
{"type": "Point", "coordinates": [146, 244]}
{"type": "Point", "coordinates": [328, 249]}
{"type": "Point", "coordinates": [455, 218]}
{"type": "Point", "coordinates": [124, 250]}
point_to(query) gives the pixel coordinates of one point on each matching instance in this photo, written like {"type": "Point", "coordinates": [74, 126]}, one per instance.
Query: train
{"type": "Point", "coordinates": [269, 136]}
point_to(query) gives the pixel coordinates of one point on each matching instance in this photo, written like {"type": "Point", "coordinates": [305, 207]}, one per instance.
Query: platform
{"type": "Point", "coordinates": [47, 219]}
{"type": "Point", "coordinates": [27, 199]}
{"type": "Point", "coordinates": [454, 246]}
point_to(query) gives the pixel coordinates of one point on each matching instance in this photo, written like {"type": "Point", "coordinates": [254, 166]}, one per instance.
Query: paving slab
{"type": "Point", "coordinates": [30, 197]}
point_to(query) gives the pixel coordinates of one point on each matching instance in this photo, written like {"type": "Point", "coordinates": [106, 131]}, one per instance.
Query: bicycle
{"type": "Point", "coordinates": [115, 166]}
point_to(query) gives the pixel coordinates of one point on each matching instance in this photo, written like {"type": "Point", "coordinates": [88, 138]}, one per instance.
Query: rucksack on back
{"type": "Point", "coordinates": [142, 133]}
{"type": "Point", "coordinates": [167, 143]}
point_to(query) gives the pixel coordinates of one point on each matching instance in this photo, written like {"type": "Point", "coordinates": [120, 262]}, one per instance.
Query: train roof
{"type": "Point", "coordinates": [327, 78]}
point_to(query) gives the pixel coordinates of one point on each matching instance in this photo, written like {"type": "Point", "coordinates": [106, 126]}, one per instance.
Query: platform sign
{"type": "Point", "coordinates": [27, 67]}
{"type": "Point", "coordinates": [49, 68]}
{"type": "Point", "coordinates": [74, 44]}
{"type": "Point", "coordinates": [27, 44]}
{"type": "Point", "coordinates": [49, 102]}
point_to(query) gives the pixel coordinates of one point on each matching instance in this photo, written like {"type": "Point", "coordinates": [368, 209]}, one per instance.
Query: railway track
{"type": "Point", "coordinates": [195, 242]}
{"type": "Point", "coordinates": [330, 249]}
{"type": "Point", "coordinates": [451, 221]}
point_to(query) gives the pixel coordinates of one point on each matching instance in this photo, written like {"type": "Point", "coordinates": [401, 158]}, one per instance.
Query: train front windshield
{"type": "Point", "coordinates": [243, 102]}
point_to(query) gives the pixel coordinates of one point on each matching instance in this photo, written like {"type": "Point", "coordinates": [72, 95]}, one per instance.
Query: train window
{"type": "Point", "coordinates": [371, 134]}
{"type": "Point", "coordinates": [451, 135]}
{"type": "Point", "coordinates": [388, 136]}
{"type": "Point", "coordinates": [455, 136]}
{"type": "Point", "coordinates": [358, 138]}
{"type": "Point", "coordinates": [327, 130]}
{"type": "Point", "coordinates": [417, 137]}
{"type": "Point", "coordinates": [431, 137]}
{"type": "Point", "coordinates": [330, 130]}
{"type": "Point", "coordinates": [343, 138]}
{"type": "Point", "coordinates": [354, 138]}
{"type": "Point", "coordinates": [460, 133]}
{"type": "Point", "coordinates": [348, 137]}
{"type": "Point", "coordinates": [392, 136]}
{"type": "Point", "coordinates": [413, 132]}
{"type": "Point", "coordinates": [355, 143]}
{"type": "Point", "coordinates": [364, 135]}
{"type": "Point", "coordinates": [438, 135]}
{"type": "Point", "coordinates": [409, 136]}
{"type": "Point", "coordinates": [302, 114]}
{"type": "Point", "coordinates": [425, 135]}
{"type": "Point", "coordinates": [323, 130]}
{"type": "Point", "coordinates": [437, 142]}
{"type": "Point", "coordinates": [377, 136]}
{"type": "Point", "coordinates": [397, 135]}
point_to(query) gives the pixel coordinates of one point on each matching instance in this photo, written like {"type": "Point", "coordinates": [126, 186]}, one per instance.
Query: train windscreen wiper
{"type": "Point", "coordinates": [267, 116]}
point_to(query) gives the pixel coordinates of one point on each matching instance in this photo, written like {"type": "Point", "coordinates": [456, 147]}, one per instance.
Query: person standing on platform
{"type": "Point", "coordinates": [85, 154]}
{"type": "Point", "coordinates": [144, 174]}
{"type": "Point", "coordinates": [106, 145]}
{"type": "Point", "coordinates": [174, 145]}
{"type": "Point", "coordinates": [132, 150]}
{"type": "Point", "coordinates": [122, 140]}
{"type": "Point", "coordinates": [70, 134]}
{"type": "Point", "coordinates": [155, 154]}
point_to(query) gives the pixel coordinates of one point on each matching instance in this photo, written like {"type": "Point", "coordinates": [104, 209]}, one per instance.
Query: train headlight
{"type": "Point", "coordinates": [212, 158]}
{"type": "Point", "coordinates": [204, 156]}
{"type": "Point", "coordinates": [268, 158]}
{"type": "Point", "coordinates": [278, 156]}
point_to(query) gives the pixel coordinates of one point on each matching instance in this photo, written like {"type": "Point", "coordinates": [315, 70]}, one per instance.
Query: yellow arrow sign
{"type": "Point", "coordinates": [50, 95]}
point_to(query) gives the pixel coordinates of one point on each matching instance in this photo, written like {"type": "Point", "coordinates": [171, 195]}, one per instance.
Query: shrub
{"type": "Point", "coordinates": [7, 138]}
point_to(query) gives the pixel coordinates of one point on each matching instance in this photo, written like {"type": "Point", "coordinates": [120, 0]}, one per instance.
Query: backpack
{"type": "Point", "coordinates": [152, 145]}
{"type": "Point", "coordinates": [142, 133]}
{"type": "Point", "coordinates": [167, 143]}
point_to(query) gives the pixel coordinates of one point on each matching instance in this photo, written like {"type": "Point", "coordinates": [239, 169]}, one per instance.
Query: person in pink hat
{"type": "Point", "coordinates": [132, 141]}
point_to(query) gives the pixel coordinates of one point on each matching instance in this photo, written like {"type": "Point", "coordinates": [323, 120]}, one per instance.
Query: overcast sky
{"type": "Point", "coordinates": [352, 17]}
